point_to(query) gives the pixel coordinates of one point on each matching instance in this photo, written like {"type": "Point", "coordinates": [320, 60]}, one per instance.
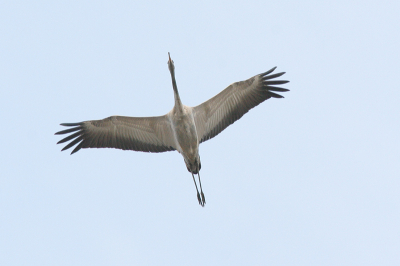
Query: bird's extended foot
{"type": "Point", "coordinates": [203, 198]}
{"type": "Point", "coordinates": [199, 199]}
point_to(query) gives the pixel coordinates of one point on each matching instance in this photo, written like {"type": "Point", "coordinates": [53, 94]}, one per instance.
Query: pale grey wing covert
{"type": "Point", "coordinates": [147, 134]}
{"type": "Point", "coordinates": [216, 114]}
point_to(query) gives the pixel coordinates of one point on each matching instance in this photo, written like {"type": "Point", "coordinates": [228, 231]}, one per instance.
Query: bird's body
{"type": "Point", "coordinates": [185, 135]}
{"type": "Point", "coordinates": [181, 129]}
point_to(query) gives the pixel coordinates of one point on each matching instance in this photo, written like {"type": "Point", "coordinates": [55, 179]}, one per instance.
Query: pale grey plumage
{"type": "Point", "coordinates": [214, 115]}
{"type": "Point", "coordinates": [182, 129]}
{"type": "Point", "coordinates": [148, 134]}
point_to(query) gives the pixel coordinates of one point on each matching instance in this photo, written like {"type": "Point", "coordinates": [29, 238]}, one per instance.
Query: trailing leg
{"type": "Point", "coordinates": [201, 190]}
{"type": "Point", "coordinates": [198, 194]}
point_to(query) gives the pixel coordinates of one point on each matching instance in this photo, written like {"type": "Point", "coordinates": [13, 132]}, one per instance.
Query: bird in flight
{"type": "Point", "coordinates": [182, 129]}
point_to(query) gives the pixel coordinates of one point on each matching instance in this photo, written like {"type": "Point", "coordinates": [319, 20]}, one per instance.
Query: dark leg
{"type": "Point", "coordinates": [198, 194]}
{"type": "Point", "coordinates": [201, 190]}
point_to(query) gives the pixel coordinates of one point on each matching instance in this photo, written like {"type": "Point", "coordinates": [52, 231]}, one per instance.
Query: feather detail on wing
{"type": "Point", "coordinates": [147, 134]}
{"type": "Point", "coordinates": [216, 114]}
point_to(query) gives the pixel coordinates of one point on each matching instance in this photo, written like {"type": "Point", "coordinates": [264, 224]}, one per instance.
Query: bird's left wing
{"type": "Point", "coordinates": [147, 134]}
{"type": "Point", "coordinates": [214, 115]}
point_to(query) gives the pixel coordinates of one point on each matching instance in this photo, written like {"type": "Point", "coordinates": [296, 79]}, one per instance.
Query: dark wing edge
{"type": "Point", "coordinates": [147, 134]}
{"type": "Point", "coordinates": [216, 114]}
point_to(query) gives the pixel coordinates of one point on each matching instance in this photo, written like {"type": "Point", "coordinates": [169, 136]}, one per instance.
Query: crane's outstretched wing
{"type": "Point", "coordinates": [148, 134]}
{"type": "Point", "coordinates": [216, 114]}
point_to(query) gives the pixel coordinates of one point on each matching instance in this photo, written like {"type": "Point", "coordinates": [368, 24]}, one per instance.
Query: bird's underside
{"type": "Point", "coordinates": [159, 134]}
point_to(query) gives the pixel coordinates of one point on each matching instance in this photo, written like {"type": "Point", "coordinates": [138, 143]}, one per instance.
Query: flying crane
{"type": "Point", "coordinates": [182, 129]}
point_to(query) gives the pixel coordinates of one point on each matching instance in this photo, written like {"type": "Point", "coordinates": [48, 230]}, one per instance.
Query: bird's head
{"type": "Point", "coordinates": [171, 64]}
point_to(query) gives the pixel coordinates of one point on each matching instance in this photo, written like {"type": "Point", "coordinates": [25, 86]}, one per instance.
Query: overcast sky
{"type": "Point", "coordinates": [311, 179]}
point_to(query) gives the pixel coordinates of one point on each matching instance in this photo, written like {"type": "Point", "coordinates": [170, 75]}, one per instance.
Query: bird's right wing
{"type": "Point", "coordinates": [216, 114]}
{"type": "Point", "coordinates": [148, 134]}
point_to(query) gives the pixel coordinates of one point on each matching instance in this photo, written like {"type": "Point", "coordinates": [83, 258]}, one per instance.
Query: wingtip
{"type": "Point", "coordinates": [274, 88]}
{"type": "Point", "coordinates": [75, 150]}
{"type": "Point", "coordinates": [65, 148]}
{"type": "Point", "coordinates": [274, 95]}
{"type": "Point", "coordinates": [275, 82]}
{"type": "Point", "coordinates": [70, 124]}
{"type": "Point", "coordinates": [269, 71]}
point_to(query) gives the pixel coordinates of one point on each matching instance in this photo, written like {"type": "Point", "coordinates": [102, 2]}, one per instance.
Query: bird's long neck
{"type": "Point", "coordinates": [178, 103]}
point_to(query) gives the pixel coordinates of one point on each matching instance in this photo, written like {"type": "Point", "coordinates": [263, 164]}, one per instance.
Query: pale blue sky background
{"type": "Point", "coordinates": [312, 179]}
